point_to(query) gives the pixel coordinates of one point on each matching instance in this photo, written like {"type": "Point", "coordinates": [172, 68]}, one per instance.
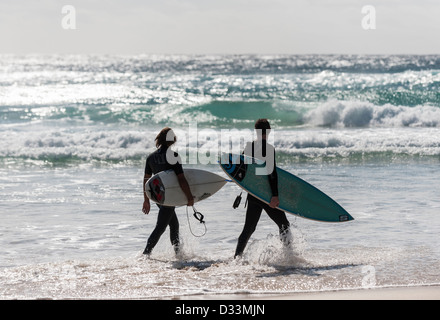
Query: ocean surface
{"type": "Point", "coordinates": [76, 129]}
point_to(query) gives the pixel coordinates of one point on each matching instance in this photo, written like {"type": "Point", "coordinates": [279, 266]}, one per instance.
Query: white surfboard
{"type": "Point", "coordinates": [164, 189]}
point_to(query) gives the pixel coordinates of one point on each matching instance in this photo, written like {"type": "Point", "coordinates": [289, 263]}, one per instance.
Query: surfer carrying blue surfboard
{"type": "Point", "coordinates": [157, 162]}
{"type": "Point", "coordinates": [261, 149]}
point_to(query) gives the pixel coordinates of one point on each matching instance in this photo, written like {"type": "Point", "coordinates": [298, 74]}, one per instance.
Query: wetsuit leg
{"type": "Point", "coordinates": [165, 215]}
{"type": "Point", "coordinates": [279, 217]}
{"type": "Point", "coordinates": [174, 232]}
{"type": "Point", "coordinates": [253, 214]}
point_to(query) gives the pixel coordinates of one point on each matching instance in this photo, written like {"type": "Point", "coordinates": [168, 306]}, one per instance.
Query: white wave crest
{"type": "Point", "coordinates": [365, 114]}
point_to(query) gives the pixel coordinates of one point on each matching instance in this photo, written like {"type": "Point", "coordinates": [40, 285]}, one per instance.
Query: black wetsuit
{"type": "Point", "coordinates": [157, 162]}
{"type": "Point", "coordinates": [256, 206]}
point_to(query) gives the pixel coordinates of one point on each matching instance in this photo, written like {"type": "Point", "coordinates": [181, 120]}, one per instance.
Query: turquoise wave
{"type": "Point", "coordinates": [232, 114]}
{"type": "Point", "coordinates": [218, 90]}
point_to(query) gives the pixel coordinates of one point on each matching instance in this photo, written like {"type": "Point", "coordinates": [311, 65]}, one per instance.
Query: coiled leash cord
{"type": "Point", "coordinates": [199, 217]}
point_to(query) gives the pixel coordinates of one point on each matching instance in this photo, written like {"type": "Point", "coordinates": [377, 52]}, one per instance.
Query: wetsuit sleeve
{"type": "Point", "coordinates": [273, 178]}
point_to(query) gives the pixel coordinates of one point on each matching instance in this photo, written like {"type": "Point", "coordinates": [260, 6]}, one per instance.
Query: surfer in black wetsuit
{"type": "Point", "coordinates": [157, 162]}
{"type": "Point", "coordinates": [265, 151]}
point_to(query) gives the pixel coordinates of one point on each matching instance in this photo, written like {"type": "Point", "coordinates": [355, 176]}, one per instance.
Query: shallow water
{"type": "Point", "coordinates": [89, 244]}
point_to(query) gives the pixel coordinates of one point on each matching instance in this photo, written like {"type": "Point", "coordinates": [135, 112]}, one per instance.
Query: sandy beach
{"type": "Point", "coordinates": [394, 293]}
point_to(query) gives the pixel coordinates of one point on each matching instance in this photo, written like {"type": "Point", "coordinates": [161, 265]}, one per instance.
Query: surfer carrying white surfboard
{"type": "Point", "coordinates": [261, 149]}
{"type": "Point", "coordinates": [157, 162]}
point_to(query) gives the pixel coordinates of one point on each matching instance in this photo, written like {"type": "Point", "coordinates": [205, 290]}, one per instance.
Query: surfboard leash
{"type": "Point", "coordinates": [199, 217]}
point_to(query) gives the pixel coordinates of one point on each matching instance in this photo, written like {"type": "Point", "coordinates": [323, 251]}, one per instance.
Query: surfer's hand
{"type": "Point", "coordinates": [190, 202]}
{"type": "Point", "coordinates": [274, 202]}
{"type": "Point", "coordinates": [146, 207]}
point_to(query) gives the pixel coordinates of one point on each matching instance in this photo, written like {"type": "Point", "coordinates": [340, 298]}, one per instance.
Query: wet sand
{"type": "Point", "coordinates": [394, 293]}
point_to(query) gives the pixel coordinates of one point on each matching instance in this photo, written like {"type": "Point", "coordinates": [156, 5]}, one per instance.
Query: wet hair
{"type": "Point", "coordinates": [165, 137]}
{"type": "Point", "coordinates": [263, 125]}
